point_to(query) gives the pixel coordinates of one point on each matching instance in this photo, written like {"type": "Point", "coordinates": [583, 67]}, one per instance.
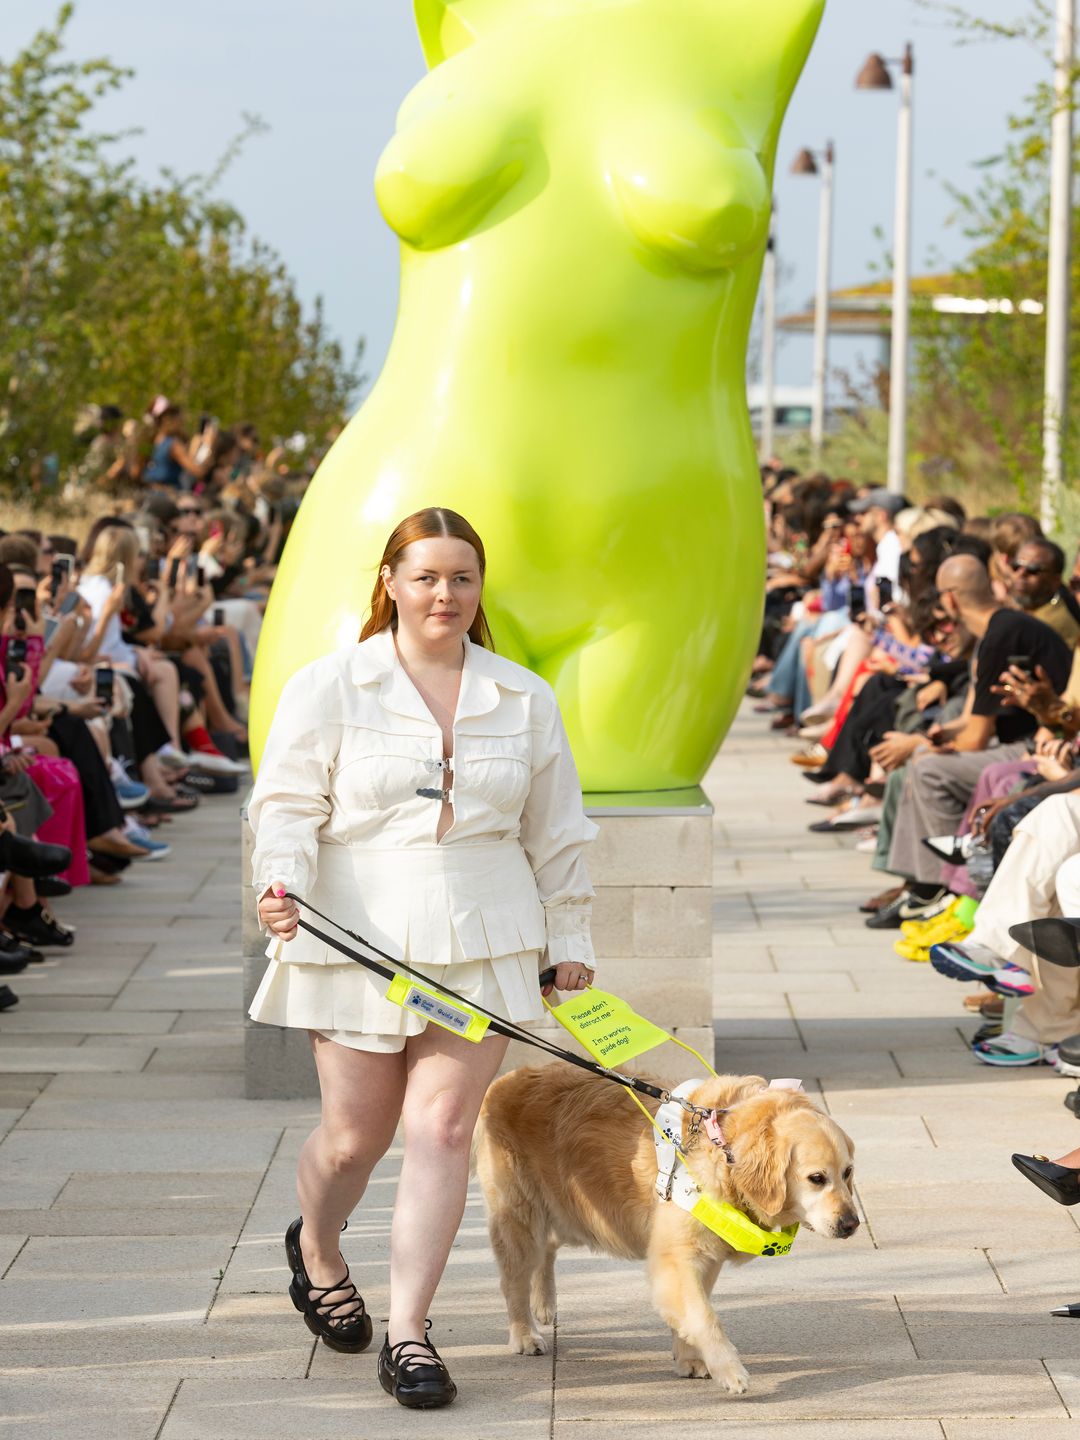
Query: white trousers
{"type": "Point", "coordinates": [1039, 876]}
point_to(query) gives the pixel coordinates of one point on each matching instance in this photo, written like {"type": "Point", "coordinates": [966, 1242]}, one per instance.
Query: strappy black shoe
{"type": "Point", "coordinates": [342, 1324]}
{"type": "Point", "coordinates": [414, 1380]}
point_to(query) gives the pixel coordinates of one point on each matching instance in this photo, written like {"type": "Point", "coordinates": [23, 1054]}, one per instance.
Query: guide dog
{"type": "Point", "coordinates": [564, 1158]}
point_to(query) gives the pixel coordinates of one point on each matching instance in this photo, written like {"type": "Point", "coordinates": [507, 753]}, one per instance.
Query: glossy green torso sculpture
{"type": "Point", "coordinates": [582, 191]}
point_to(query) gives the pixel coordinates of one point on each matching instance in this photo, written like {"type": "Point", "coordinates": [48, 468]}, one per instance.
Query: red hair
{"type": "Point", "coordinates": [433, 524]}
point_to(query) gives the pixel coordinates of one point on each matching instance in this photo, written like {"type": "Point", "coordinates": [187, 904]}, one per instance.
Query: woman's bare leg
{"type": "Point", "coordinates": [361, 1101]}
{"type": "Point", "coordinates": [447, 1080]}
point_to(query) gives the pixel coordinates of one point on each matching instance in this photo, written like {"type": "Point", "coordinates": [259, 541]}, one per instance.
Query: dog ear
{"type": "Point", "coordinates": [447, 26]}
{"type": "Point", "coordinates": [761, 1164]}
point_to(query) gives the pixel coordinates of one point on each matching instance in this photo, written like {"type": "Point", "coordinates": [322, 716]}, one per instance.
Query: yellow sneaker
{"type": "Point", "coordinates": [947, 926]}
{"type": "Point", "coordinates": [909, 950]}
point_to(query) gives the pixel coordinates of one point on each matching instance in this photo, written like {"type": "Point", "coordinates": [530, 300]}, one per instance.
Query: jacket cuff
{"type": "Point", "coordinates": [569, 938]}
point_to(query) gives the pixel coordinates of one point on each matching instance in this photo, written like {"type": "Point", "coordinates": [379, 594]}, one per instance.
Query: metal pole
{"type": "Point", "coordinates": [901, 304]}
{"type": "Point", "coordinates": [1057, 291]}
{"type": "Point", "coordinates": [821, 307]}
{"type": "Point", "coordinates": [768, 347]}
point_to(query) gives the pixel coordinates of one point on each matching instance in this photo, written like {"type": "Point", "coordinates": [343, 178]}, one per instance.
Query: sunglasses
{"type": "Point", "coordinates": [1018, 569]}
{"type": "Point", "coordinates": [189, 510]}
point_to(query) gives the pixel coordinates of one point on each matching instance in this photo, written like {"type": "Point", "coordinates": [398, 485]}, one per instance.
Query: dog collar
{"type": "Point", "coordinates": [675, 1185]}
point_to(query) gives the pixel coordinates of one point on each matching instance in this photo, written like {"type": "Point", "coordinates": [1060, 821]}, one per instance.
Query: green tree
{"type": "Point", "coordinates": [979, 387]}
{"type": "Point", "coordinates": [112, 288]}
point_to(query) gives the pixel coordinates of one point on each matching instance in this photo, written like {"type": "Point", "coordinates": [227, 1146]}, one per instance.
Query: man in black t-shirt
{"type": "Point", "coordinates": [942, 778]}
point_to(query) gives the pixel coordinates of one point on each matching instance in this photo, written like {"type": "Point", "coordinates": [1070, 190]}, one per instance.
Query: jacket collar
{"type": "Point", "coordinates": [376, 661]}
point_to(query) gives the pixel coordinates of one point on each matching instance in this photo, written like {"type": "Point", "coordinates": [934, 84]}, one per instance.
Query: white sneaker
{"type": "Point", "coordinates": [174, 758]}
{"type": "Point", "coordinates": [216, 764]}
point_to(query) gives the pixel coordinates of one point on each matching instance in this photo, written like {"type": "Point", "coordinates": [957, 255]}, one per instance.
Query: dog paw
{"type": "Point", "coordinates": [688, 1367]}
{"type": "Point", "coordinates": [527, 1342]}
{"type": "Point", "coordinates": [733, 1379]}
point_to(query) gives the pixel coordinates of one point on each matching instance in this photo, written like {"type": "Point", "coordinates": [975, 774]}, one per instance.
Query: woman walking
{"type": "Point", "coordinates": [420, 790]}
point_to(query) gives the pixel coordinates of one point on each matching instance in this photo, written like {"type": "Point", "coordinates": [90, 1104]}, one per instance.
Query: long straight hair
{"type": "Point", "coordinates": [436, 523]}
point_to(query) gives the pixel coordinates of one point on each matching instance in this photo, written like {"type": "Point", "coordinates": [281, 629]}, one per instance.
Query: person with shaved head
{"type": "Point", "coordinates": [942, 773]}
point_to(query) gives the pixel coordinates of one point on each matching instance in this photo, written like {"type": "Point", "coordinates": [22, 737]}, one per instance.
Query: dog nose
{"type": "Point", "coordinates": [847, 1224]}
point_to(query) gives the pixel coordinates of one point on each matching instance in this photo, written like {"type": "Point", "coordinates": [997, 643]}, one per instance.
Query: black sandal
{"type": "Point", "coordinates": [414, 1380]}
{"type": "Point", "coordinates": [349, 1332]}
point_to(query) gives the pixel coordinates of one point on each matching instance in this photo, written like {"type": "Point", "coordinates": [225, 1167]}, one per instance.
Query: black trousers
{"type": "Point", "coordinates": [871, 716]}
{"type": "Point", "coordinates": [75, 743]}
{"type": "Point", "coordinates": [147, 728]}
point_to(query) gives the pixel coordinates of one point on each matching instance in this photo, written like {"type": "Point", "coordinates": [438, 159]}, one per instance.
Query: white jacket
{"type": "Point", "coordinates": [338, 820]}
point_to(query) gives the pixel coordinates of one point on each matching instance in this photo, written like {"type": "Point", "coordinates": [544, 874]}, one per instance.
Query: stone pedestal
{"type": "Point", "coordinates": [651, 867]}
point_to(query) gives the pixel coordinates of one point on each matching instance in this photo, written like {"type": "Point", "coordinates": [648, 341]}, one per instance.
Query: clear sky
{"type": "Point", "coordinates": [328, 75]}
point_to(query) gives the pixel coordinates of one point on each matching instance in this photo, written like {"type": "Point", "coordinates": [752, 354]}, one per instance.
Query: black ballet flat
{"type": "Point", "coordinates": [1057, 1181]}
{"type": "Point", "coordinates": [414, 1380]}
{"type": "Point", "coordinates": [347, 1330]}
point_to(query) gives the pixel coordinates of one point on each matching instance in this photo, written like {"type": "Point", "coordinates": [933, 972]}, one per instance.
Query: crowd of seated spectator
{"type": "Point", "coordinates": [126, 655]}
{"type": "Point", "coordinates": [928, 661]}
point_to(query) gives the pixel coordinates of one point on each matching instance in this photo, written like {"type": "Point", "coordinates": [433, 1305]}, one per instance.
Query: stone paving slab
{"type": "Point", "coordinates": [80, 1407]}
{"type": "Point", "coordinates": [141, 1179]}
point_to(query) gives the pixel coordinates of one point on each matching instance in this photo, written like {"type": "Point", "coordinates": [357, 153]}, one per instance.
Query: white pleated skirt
{"type": "Point", "coordinates": [345, 1003]}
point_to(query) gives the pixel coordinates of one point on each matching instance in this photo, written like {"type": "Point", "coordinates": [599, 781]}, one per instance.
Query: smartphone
{"type": "Point", "coordinates": [61, 571]}
{"type": "Point", "coordinates": [174, 571]}
{"type": "Point", "coordinates": [857, 601]}
{"type": "Point", "coordinates": [200, 577]}
{"type": "Point", "coordinates": [191, 566]}
{"type": "Point", "coordinates": [26, 603]}
{"type": "Point", "coordinates": [16, 656]}
{"type": "Point", "coordinates": [1021, 662]}
{"type": "Point", "coordinates": [219, 616]}
{"type": "Point", "coordinates": [152, 568]}
{"type": "Point", "coordinates": [884, 590]}
{"type": "Point", "coordinates": [103, 685]}
{"type": "Point", "coordinates": [69, 603]}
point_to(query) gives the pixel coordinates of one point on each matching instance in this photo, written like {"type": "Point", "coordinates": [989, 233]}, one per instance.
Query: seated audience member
{"type": "Point", "coordinates": [941, 778]}
{"type": "Point", "coordinates": [1007, 533]}
{"type": "Point", "coordinates": [1038, 876]}
{"type": "Point", "coordinates": [1037, 586]}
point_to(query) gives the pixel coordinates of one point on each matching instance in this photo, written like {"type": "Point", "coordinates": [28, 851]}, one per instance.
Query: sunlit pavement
{"type": "Point", "coordinates": [144, 1200]}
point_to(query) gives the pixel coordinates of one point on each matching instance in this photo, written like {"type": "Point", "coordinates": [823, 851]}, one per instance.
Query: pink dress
{"type": "Point", "coordinates": [55, 777]}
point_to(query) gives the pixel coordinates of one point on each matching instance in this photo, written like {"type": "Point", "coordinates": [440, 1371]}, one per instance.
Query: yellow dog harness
{"type": "Point", "coordinates": [675, 1185]}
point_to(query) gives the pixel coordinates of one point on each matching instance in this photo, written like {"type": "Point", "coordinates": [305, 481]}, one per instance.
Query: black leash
{"type": "Point", "coordinates": [498, 1024]}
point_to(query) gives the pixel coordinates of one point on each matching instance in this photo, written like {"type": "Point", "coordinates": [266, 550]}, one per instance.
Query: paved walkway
{"type": "Point", "coordinates": [143, 1199]}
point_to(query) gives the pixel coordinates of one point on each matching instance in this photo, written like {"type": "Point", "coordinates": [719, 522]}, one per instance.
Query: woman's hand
{"type": "Point", "coordinates": [279, 915]}
{"type": "Point", "coordinates": [19, 686]}
{"type": "Point", "coordinates": [985, 816]}
{"type": "Point", "coordinates": [570, 976]}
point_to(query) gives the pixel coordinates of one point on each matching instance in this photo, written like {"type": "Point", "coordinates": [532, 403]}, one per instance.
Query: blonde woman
{"type": "Point", "coordinates": [419, 789]}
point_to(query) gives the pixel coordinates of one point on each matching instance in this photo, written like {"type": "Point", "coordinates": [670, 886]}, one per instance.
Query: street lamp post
{"type": "Point", "coordinates": [806, 164]}
{"type": "Point", "coordinates": [768, 347]}
{"type": "Point", "coordinates": [875, 76]}
{"type": "Point", "coordinates": [1059, 259]}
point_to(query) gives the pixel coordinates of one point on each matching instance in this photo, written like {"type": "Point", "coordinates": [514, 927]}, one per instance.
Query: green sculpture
{"type": "Point", "coordinates": [582, 190]}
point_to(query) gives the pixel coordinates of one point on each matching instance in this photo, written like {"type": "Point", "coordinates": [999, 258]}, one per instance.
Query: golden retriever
{"type": "Point", "coordinates": [565, 1159]}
